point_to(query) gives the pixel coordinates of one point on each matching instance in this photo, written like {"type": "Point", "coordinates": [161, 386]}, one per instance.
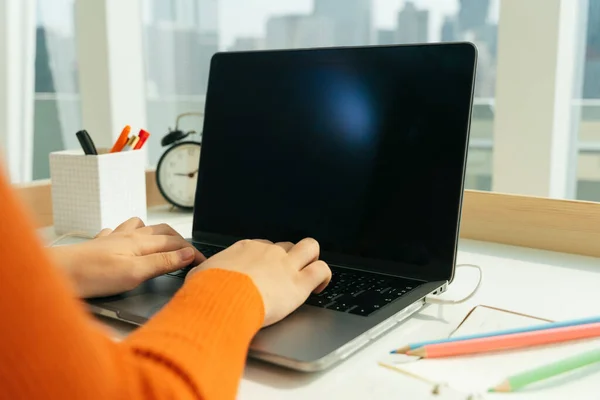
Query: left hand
{"type": "Point", "coordinates": [120, 260]}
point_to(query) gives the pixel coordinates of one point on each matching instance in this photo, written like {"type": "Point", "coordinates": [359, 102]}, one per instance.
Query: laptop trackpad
{"type": "Point", "coordinates": [141, 305]}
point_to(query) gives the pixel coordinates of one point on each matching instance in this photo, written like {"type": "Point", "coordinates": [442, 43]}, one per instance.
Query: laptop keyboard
{"type": "Point", "coordinates": [205, 249]}
{"type": "Point", "coordinates": [360, 293]}
{"type": "Point", "coordinates": [354, 292]}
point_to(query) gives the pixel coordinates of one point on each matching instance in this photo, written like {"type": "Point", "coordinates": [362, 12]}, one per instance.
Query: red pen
{"type": "Point", "coordinates": [143, 135]}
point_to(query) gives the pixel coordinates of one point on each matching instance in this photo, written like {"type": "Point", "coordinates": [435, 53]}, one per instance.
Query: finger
{"type": "Point", "coordinates": [130, 225]}
{"type": "Point", "coordinates": [315, 277]}
{"type": "Point", "coordinates": [153, 265]}
{"type": "Point", "coordinates": [160, 229]}
{"type": "Point", "coordinates": [285, 245]}
{"type": "Point", "coordinates": [191, 272]}
{"type": "Point", "coordinates": [265, 241]}
{"type": "Point", "coordinates": [304, 252]}
{"type": "Point", "coordinates": [152, 244]}
{"type": "Point", "coordinates": [104, 232]}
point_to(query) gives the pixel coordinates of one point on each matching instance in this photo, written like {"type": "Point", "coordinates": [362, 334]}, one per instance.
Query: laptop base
{"type": "Point", "coordinates": [310, 339]}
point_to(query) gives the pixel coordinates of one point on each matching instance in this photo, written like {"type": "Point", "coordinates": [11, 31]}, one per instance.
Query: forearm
{"type": "Point", "coordinates": [194, 348]}
{"type": "Point", "coordinates": [206, 340]}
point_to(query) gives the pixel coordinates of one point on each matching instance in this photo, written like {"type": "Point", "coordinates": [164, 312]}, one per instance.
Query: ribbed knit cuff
{"type": "Point", "coordinates": [205, 331]}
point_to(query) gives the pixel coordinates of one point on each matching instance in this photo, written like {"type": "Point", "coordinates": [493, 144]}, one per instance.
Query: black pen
{"type": "Point", "coordinates": [86, 142]}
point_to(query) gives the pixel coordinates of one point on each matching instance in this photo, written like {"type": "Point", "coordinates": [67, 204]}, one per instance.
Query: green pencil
{"type": "Point", "coordinates": [516, 382]}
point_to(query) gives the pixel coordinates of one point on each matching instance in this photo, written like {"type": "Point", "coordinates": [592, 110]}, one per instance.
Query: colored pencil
{"type": "Point", "coordinates": [508, 342]}
{"type": "Point", "coordinates": [533, 328]}
{"type": "Point", "coordinates": [523, 379]}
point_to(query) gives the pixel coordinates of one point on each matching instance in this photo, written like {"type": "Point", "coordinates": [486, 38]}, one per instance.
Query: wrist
{"type": "Point", "coordinates": [64, 258]}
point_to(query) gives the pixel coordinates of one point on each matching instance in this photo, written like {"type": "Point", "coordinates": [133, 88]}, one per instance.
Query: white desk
{"type": "Point", "coordinates": [545, 284]}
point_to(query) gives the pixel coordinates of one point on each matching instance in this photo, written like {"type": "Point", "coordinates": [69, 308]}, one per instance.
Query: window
{"type": "Point", "coordinates": [182, 35]}
{"type": "Point", "coordinates": [57, 114]}
{"type": "Point", "coordinates": [588, 107]}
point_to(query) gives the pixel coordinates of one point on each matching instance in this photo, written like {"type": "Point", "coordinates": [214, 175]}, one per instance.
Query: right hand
{"type": "Point", "coordinates": [285, 274]}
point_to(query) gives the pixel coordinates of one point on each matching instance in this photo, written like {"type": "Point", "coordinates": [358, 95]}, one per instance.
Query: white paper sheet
{"type": "Point", "coordinates": [476, 374]}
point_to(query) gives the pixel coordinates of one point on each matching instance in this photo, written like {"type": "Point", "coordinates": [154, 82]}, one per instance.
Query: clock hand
{"type": "Point", "coordinates": [189, 175]}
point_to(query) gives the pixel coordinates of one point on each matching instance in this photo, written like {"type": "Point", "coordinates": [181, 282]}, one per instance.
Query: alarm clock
{"type": "Point", "coordinates": [177, 170]}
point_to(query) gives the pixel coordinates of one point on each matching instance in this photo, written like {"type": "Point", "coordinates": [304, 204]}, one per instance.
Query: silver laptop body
{"type": "Point", "coordinates": [378, 135]}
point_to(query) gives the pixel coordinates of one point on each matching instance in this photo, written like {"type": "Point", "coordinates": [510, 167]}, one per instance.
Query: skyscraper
{"type": "Point", "coordinates": [44, 81]}
{"type": "Point", "coordinates": [593, 30]}
{"type": "Point", "coordinates": [163, 11]}
{"type": "Point", "coordinates": [207, 15]}
{"type": "Point", "coordinates": [473, 14]}
{"type": "Point", "coordinates": [299, 31]}
{"type": "Point", "coordinates": [473, 20]}
{"type": "Point", "coordinates": [54, 72]}
{"type": "Point", "coordinates": [471, 23]}
{"type": "Point", "coordinates": [591, 86]}
{"type": "Point", "coordinates": [386, 36]}
{"type": "Point", "coordinates": [248, 43]}
{"type": "Point", "coordinates": [180, 42]}
{"type": "Point", "coordinates": [199, 15]}
{"type": "Point", "coordinates": [449, 31]}
{"type": "Point", "coordinates": [413, 24]}
{"type": "Point", "coordinates": [352, 20]}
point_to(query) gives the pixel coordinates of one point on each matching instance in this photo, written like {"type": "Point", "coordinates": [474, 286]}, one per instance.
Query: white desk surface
{"type": "Point", "coordinates": [541, 283]}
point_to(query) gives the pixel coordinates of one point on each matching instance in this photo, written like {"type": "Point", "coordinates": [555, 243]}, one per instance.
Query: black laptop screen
{"type": "Point", "coordinates": [363, 149]}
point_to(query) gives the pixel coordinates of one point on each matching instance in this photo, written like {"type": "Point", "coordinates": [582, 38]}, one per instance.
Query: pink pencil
{"type": "Point", "coordinates": [507, 342]}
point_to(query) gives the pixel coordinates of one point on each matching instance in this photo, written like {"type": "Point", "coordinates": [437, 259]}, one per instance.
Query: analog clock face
{"type": "Point", "coordinates": [178, 173]}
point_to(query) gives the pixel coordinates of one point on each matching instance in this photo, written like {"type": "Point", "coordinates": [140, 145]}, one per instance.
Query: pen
{"type": "Point", "coordinates": [143, 135]}
{"type": "Point", "coordinates": [86, 142]}
{"type": "Point", "coordinates": [122, 140]}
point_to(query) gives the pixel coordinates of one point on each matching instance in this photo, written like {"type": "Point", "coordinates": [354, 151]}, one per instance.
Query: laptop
{"type": "Point", "coordinates": [361, 148]}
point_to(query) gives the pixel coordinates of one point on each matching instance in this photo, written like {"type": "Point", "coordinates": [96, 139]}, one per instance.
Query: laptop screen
{"type": "Point", "coordinates": [363, 149]}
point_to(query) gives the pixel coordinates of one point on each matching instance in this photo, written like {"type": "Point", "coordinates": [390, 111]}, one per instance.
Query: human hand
{"type": "Point", "coordinates": [120, 260]}
{"type": "Point", "coordinates": [285, 274]}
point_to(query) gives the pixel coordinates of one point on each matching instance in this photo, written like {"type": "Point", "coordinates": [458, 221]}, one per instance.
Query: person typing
{"type": "Point", "coordinates": [194, 348]}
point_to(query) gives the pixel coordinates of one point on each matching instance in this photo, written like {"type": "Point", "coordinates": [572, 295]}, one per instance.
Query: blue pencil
{"type": "Point", "coordinates": [549, 325]}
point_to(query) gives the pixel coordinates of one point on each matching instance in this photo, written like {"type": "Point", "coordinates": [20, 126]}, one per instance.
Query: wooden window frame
{"type": "Point", "coordinates": [566, 226]}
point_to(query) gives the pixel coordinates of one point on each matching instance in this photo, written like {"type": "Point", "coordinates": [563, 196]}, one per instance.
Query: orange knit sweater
{"type": "Point", "coordinates": [50, 348]}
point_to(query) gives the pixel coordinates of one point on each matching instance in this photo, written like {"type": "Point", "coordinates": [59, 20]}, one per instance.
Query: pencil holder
{"type": "Point", "coordinates": [90, 193]}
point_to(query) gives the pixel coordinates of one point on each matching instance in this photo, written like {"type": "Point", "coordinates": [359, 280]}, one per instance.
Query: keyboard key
{"type": "Point", "coordinates": [360, 293]}
{"type": "Point", "coordinates": [394, 292]}
{"type": "Point", "coordinates": [364, 311]}
{"type": "Point", "coordinates": [346, 301]}
{"type": "Point", "coordinates": [316, 301]}
{"type": "Point", "coordinates": [370, 299]}
{"type": "Point", "coordinates": [337, 307]}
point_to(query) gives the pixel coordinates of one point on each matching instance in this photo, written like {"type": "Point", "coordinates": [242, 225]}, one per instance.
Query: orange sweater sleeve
{"type": "Point", "coordinates": [50, 348]}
